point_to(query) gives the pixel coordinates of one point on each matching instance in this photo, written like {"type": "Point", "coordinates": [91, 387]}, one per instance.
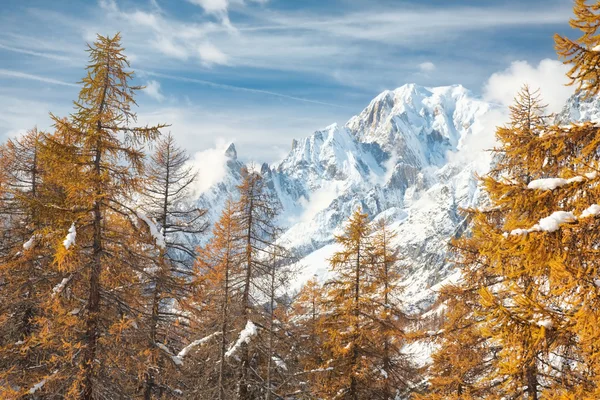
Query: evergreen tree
{"type": "Point", "coordinates": [306, 321]}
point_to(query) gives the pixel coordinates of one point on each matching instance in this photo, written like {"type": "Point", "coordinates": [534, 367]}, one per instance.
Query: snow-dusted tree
{"type": "Point", "coordinates": [24, 259]}
{"type": "Point", "coordinates": [168, 180]}
{"type": "Point", "coordinates": [215, 306]}
{"type": "Point", "coordinates": [503, 306]}
{"type": "Point", "coordinates": [87, 336]}
{"type": "Point", "coordinates": [532, 256]}
{"type": "Point", "coordinates": [275, 345]}
{"type": "Point", "coordinates": [20, 264]}
{"type": "Point", "coordinates": [255, 213]}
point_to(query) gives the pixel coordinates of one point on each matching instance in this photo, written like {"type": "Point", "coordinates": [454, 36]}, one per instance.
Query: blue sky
{"type": "Point", "coordinates": [261, 72]}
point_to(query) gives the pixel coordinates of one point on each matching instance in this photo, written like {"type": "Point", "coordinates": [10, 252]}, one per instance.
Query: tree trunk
{"type": "Point", "coordinates": [224, 317]}
{"type": "Point", "coordinates": [96, 266]}
{"type": "Point", "coordinates": [354, 362]}
{"type": "Point", "coordinates": [270, 343]}
{"type": "Point", "coordinates": [245, 356]}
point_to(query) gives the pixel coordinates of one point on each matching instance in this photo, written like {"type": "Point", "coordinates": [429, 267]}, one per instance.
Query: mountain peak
{"type": "Point", "coordinates": [231, 152]}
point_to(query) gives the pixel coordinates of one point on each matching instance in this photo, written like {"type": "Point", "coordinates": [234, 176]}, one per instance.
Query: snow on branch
{"type": "Point", "coordinates": [245, 336]}
{"type": "Point", "coordinates": [70, 239]}
{"type": "Point", "coordinates": [553, 222]}
{"type": "Point", "coordinates": [156, 234]}
{"type": "Point", "coordinates": [548, 224]}
{"type": "Point", "coordinates": [37, 386]}
{"type": "Point", "coordinates": [184, 352]}
{"type": "Point", "coordinates": [178, 359]}
{"type": "Point", "coordinates": [40, 384]}
{"type": "Point", "coordinates": [279, 363]}
{"type": "Point", "coordinates": [553, 183]}
{"type": "Point", "coordinates": [61, 286]}
{"type": "Point", "coordinates": [591, 211]}
{"type": "Point", "coordinates": [29, 244]}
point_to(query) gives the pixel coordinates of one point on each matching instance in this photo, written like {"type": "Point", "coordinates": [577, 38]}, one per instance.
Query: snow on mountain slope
{"type": "Point", "coordinates": [394, 159]}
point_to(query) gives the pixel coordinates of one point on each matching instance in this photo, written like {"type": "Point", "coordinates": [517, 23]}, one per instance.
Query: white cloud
{"type": "Point", "coordinates": [319, 200]}
{"type": "Point", "coordinates": [501, 88]}
{"type": "Point", "coordinates": [152, 89]}
{"type": "Point", "coordinates": [475, 147]}
{"type": "Point", "coordinates": [210, 55]}
{"type": "Point", "coordinates": [548, 76]}
{"type": "Point", "coordinates": [212, 6]}
{"type": "Point", "coordinates": [210, 165]}
{"type": "Point", "coordinates": [169, 48]}
{"type": "Point", "coordinates": [427, 66]}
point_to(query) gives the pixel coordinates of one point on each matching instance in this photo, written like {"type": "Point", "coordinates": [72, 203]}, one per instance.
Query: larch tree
{"type": "Point", "coordinates": [256, 213]}
{"type": "Point", "coordinates": [275, 345]}
{"type": "Point", "coordinates": [24, 258]}
{"type": "Point", "coordinates": [348, 326]}
{"type": "Point", "coordinates": [239, 276]}
{"type": "Point", "coordinates": [95, 161]}
{"type": "Point", "coordinates": [215, 306]}
{"type": "Point", "coordinates": [20, 218]}
{"type": "Point", "coordinates": [575, 149]}
{"type": "Point", "coordinates": [306, 318]}
{"type": "Point", "coordinates": [396, 370]}
{"type": "Point", "coordinates": [532, 255]}
{"type": "Point", "coordinates": [169, 177]}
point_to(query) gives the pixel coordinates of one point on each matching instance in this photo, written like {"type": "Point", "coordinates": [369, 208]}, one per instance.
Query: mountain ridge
{"type": "Point", "coordinates": [398, 158]}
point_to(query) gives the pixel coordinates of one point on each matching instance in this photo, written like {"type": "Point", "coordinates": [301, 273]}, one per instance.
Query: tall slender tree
{"type": "Point", "coordinates": [95, 161]}
{"type": "Point", "coordinates": [256, 213]}
{"type": "Point", "coordinates": [168, 180]}
{"type": "Point", "coordinates": [349, 300]}
{"type": "Point", "coordinates": [397, 372]}
{"type": "Point", "coordinates": [216, 306]}
{"type": "Point", "coordinates": [24, 259]}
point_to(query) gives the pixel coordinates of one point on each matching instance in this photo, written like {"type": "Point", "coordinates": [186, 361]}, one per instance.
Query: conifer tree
{"type": "Point", "coordinates": [23, 259]}
{"type": "Point", "coordinates": [216, 307]}
{"type": "Point", "coordinates": [239, 276]}
{"type": "Point", "coordinates": [94, 162]}
{"type": "Point", "coordinates": [275, 343]}
{"type": "Point", "coordinates": [256, 213]}
{"type": "Point", "coordinates": [307, 315]}
{"type": "Point", "coordinates": [20, 218]}
{"type": "Point", "coordinates": [168, 180]}
{"type": "Point", "coordinates": [507, 314]}
{"type": "Point", "coordinates": [395, 368]}
{"type": "Point", "coordinates": [349, 302]}
{"type": "Point", "coordinates": [583, 54]}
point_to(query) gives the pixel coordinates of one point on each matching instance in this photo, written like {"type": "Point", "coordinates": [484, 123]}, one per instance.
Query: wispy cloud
{"type": "Point", "coordinates": [22, 75]}
{"type": "Point", "coordinates": [35, 53]}
{"type": "Point", "coordinates": [212, 6]}
{"type": "Point", "coordinates": [211, 55]}
{"type": "Point", "coordinates": [239, 88]}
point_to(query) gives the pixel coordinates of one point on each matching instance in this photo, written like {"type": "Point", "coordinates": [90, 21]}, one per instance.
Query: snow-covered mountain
{"type": "Point", "coordinates": [398, 158]}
